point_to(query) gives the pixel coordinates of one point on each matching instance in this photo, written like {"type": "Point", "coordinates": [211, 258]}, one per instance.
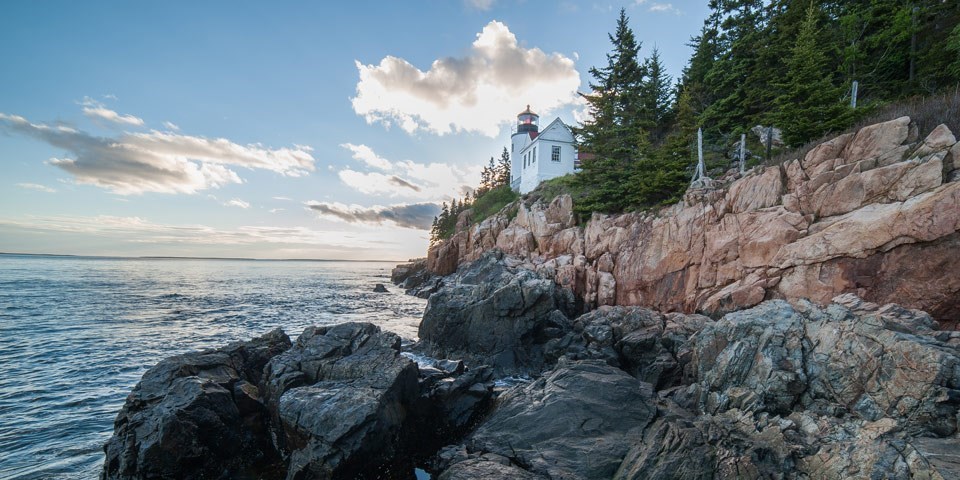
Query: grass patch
{"type": "Point", "coordinates": [491, 202]}
{"type": "Point", "coordinates": [553, 188]}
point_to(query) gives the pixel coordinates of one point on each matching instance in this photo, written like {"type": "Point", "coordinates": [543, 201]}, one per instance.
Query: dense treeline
{"type": "Point", "coordinates": [785, 63]}
{"type": "Point", "coordinates": [489, 197]}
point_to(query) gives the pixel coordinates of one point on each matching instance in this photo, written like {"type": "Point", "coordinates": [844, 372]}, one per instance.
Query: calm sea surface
{"type": "Point", "coordinates": [77, 333]}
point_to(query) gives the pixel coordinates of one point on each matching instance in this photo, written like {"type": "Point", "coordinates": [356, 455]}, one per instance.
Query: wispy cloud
{"type": "Point", "coordinates": [664, 8]}
{"type": "Point", "coordinates": [482, 5]}
{"type": "Point", "coordinates": [171, 126]}
{"type": "Point", "coordinates": [366, 155]}
{"type": "Point", "coordinates": [658, 7]}
{"type": "Point", "coordinates": [476, 93]}
{"type": "Point", "coordinates": [37, 186]}
{"type": "Point", "coordinates": [98, 111]}
{"type": "Point", "coordinates": [165, 162]}
{"type": "Point", "coordinates": [284, 199]}
{"type": "Point", "coordinates": [141, 230]}
{"type": "Point", "coordinates": [407, 179]}
{"type": "Point", "coordinates": [236, 202]}
{"type": "Point", "coordinates": [416, 215]}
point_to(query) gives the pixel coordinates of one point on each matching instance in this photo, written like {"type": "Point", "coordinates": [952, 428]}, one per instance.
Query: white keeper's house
{"type": "Point", "coordinates": [537, 155]}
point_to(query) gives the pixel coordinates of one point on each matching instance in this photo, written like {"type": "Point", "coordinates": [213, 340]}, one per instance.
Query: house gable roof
{"type": "Point", "coordinates": [535, 137]}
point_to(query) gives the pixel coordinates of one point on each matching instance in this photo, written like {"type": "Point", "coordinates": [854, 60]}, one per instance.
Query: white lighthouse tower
{"type": "Point", "coordinates": [528, 127]}
{"type": "Point", "coordinates": [536, 156]}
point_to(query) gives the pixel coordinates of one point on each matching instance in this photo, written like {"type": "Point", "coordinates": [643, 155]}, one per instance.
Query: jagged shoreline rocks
{"type": "Point", "coordinates": [339, 402]}
{"type": "Point", "coordinates": [782, 390]}
{"type": "Point", "coordinates": [872, 213]}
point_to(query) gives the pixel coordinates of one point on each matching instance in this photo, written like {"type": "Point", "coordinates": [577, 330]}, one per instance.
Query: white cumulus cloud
{"type": "Point", "coordinates": [476, 93]}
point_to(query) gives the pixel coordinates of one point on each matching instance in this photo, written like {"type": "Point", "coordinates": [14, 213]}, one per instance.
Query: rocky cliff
{"type": "Point", "coordinates": [875, 213]}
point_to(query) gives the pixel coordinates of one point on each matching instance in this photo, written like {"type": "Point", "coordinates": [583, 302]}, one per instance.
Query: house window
{"type": "Point", "coordinates": [555, 153]}
{"type": "Point", "coordinates": [534, 154]}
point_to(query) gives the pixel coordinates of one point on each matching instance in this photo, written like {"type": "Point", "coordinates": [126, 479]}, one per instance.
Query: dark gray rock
{"type": "Point", "coordinates": [577, 421]}
{"type": "Point", "coordinates": [415, 279]}
{"type": "Point", "coordinates": [491, 314]}
{"type": "Point", "coordinates": [379, 288]}
{"type": "Point", "coordinates": [198, 415]}
{"type": "Point", "coordinates": [646, 344]}
{"type": "Point", "coordinates": [477, 468]}
{"type": "Point", "coordinates": [340, 397]}
{"type": "Point", "coordinates": [800, 391]}
{"type": "Point", "coordinates": [402, 272]}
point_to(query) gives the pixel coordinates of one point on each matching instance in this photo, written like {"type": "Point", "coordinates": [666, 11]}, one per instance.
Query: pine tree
{"type": "Point", "coordinates": [809, 105]}
{"type": "Point", "coordinates": [503, 168]}
{"type": "Point", "coordinates": [656, 95]}
{"type": "Point", "coordinates": [616, 130]}
{"type": "Point", "coordinates": [953, 45]}
{"type": "Point", "coordinates": [733, 78]}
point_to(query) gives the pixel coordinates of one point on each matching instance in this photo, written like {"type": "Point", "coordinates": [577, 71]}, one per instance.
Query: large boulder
{"type": "Point", "coordinates": [646, 344]}
{"type": "Point", "coordinates": [339, 399]}
{"type": "Point", "coordinates": [577, 421]}
{"type": "Point", "coordinates": [494, 314]}
{"type": "Point", "coordinates": [198, 415]}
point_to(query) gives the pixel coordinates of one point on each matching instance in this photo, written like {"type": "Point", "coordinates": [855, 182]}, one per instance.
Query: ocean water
{"type": "Point", "coordinates": [76, 334]}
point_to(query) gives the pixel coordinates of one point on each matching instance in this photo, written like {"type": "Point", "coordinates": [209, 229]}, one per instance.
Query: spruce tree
{"type": "Point", "coordinates": [809, 105]}
{"type": "Point", "coordinates": [616, 129]}
{"type": "Point", "coordinates": [656, 96]}
{"type": "Point", "coordinates": [953, 46]}
{"type": "Point", "coordinates": [733, 78]}
{"type": "Point", "coordinates": [503, 168]}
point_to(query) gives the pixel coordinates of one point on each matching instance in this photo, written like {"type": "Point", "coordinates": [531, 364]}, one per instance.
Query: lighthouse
{"type": "Point", "coordinates": [536, 156]}
{"type": "Point", "coordinates": [528, 126]}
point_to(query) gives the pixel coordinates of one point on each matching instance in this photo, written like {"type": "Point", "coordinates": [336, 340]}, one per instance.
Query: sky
{"type": "Point", "coordinates": [293, 129]}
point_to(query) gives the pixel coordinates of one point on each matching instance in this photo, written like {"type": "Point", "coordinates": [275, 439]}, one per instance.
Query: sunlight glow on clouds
{"type": "Point", "coordinates": [433, 181]}
{"type": "Point", "coordinates": [163, 162]}
{"type": "Point", "coordinates": [416, 215]}
{"type": "Point", "coordinates": [476, 93]}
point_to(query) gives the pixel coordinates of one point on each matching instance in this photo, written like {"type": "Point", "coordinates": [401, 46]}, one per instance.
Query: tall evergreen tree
{"type": "Point", "coordinates": [732, 76]}
{"type": "Point", "coordinates": [615, 136]}
{"type": "Point", "coordinates": [656, 94]}
{"type": "Point", "coordinates": [810, 105]}
{"type": "Point", "coordinates": [616, 129]}
{"type": "Point", "coordinates": [503, 168]}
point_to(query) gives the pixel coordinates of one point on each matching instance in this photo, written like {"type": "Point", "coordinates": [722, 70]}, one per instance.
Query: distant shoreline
{"type": "Point", "coordinates": [162, 257]}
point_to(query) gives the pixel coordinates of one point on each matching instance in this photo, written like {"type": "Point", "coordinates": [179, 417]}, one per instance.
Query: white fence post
{"type": "Point", "coordinates": [743, 152]}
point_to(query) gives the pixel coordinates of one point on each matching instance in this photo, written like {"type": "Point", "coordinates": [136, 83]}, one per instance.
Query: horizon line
{"type": "Point", "coordinates": [176, 257]}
